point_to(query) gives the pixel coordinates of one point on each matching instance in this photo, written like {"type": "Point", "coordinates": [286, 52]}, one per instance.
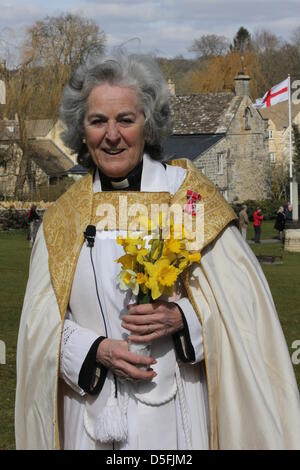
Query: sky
{"type": "Point", "coordinates": [166, 28]}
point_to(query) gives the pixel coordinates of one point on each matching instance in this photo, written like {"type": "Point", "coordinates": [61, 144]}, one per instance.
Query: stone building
{"type": "Point", "coordinates": [226, 138]}
{"type": "Point", "coordinates": [279, 129]}
{"type": "Point", "coordinates": [49, 158]}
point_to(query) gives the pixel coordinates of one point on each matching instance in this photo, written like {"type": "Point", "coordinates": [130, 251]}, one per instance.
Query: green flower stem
{"type": "Point", "coordinates": [144, 298]}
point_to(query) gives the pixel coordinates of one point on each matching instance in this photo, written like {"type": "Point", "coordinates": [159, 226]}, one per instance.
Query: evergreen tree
{"type": "Point", "coordinates": [241, 41]}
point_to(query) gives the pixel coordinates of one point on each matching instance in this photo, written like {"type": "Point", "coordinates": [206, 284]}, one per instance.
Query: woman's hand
{"type": "Point", "coordinates": [148, 322]}
{"type": "Point", "coordinates": [114, 354]}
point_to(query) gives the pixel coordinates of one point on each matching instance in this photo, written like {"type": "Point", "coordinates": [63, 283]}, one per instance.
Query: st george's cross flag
{"type": "Point", "coordinates": [273, 96]}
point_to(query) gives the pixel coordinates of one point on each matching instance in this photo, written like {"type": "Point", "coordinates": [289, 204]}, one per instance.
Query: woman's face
{"type": "Point", "coordinates": [114, 129]}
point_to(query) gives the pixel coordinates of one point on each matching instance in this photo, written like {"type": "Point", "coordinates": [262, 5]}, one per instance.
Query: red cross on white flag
{"type": "Point", "coordinates": [273, 96]}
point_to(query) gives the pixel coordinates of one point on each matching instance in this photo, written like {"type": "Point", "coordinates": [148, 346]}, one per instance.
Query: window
{"type": "Point", "coordinates": [202, 169]}
{"type": "Point", "coordinates": [272, 157]}
{"type": "Point", "coordinates": [247, 115]}
{"type": "Point", "coordinates": [271, 136]}
{"type": "Point", "coordinates": [220, 163]}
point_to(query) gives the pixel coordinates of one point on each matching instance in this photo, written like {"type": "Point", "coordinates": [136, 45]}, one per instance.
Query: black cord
{"type": "Point", "coordinates": [97, 292]}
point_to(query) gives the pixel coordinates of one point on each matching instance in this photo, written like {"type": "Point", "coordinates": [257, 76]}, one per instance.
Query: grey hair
{"type": "Point", "coordinates": [139, 71]}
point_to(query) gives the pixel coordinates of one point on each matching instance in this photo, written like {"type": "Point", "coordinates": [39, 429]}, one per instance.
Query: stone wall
{"type": "Point", "coordinates": [250, 175]}
{"type": "Point", "coordinates": [13, 214]}
{"type": "Point", "coordinates": [24, 205]}
{"type": "Point", "coordinates": [10, 169]}
{"type": "Point", "coordinates": [208, 164]}
{"type": "Point", "coordinates": [246, 164]}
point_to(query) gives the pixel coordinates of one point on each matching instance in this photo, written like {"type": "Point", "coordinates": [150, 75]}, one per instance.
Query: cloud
{"type": "Point", "coordinates": [167, 26]}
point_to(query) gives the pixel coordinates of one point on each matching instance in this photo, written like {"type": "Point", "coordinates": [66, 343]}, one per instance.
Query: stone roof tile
{"type": "Point", "coordinates": [199, 114]}
{"type": "Point", "coordinates": [279, 114]}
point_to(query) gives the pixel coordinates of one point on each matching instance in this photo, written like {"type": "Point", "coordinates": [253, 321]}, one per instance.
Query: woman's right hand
{"type": "Point", "coordinates": [115, 355]}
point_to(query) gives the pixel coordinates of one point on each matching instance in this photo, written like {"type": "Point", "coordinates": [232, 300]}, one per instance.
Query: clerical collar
{"type": "Point", "coordinates": [131, 182]}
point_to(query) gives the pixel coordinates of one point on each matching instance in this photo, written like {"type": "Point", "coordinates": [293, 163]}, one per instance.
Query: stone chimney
{"type": "Point", "coordinates": [242, 85]}
{"type": "Point", "coordinates": [171, 87]}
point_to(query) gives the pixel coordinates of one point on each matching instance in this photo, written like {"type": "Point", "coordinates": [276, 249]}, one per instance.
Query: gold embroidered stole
{"type": "Point", "coordinates": [66, 220]}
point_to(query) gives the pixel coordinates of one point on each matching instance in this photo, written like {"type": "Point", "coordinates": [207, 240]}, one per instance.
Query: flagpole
{"type": "Point", "coordinates": [291, 143]}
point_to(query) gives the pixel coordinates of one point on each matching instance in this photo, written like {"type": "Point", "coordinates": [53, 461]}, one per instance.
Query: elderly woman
{"type": "Point", "coordinates": [219, 374]}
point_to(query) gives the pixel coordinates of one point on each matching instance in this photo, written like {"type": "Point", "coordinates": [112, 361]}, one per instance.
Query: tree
{"type": "Point", "coordinates": [58, 45]}
{"type": "Point", "coordinates": [264, 41]}
{"type": "Point", "coordinates": [53, 48]}
{"type": "Point", "coordinates": [177, 69]}
{"type": "Point", "coordinates": [219, 73]}
{"type": "Point", "coordinates": [20, 91]}
{"type": "Point", "coordinates": [241, 41]}
{"type": "Point", "coordinates": [295, 37]}
{"type": "Point", "coordinates": [210, 45]}
{"type": "Point", "coordinates": [279, 181]}
{"type": "Point", "coordinates": [277, 58]}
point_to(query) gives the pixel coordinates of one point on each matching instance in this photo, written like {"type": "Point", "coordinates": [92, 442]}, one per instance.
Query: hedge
{"type": "Point", "coordinates": [269, 208]}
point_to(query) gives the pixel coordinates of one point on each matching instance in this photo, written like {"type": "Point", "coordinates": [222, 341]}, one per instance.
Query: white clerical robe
{"type": "Point", "coordinates": [253, 395]}
{"type": "Point", "coordinates": [151, 425]}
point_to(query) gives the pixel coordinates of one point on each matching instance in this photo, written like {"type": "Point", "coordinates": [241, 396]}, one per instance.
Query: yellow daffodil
{"type": "Point", "coordinates": [195, 257]}
{"type": "Point", "coordinates": [142, 255]}
{"type": "Point", "coordinates": [187, 258]}
{"type": "Point", "coordinates": [141, 278]}
{"type": "Point", "coordinates": [127, 261]}
{"type": "Point", "coordinates": [133, 245]}
{"type": "Point", "coordinates": [153, 271]}
{"type": "Point", "coordinates": [167, 274]}
{"type": "Point", "coordinates": [127, 280]}
{"type": "Point", "coordinates": [121, 241]}
{"type": "Point", "coordinates": [173, 246]}
{"type": "Point", "coordinates": [156, 289]}
{"type": "Point", "coordinates": [161, 274]}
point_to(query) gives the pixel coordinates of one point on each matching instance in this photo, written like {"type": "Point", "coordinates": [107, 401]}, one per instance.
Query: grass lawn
{"type": "Point", "coordinates": [267, 230]}
{"type": "Point", "coordinates": [14, 258]}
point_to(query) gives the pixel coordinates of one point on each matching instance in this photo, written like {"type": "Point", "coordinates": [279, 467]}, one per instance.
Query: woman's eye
{"type": "Point", "coordinates": [97, 121]}
{"type": "Point", "coordinates": [126, 120]}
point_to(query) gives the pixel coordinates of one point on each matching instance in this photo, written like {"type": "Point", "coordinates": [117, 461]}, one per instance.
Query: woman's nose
{"type": "Point", "coordinates": [112, 132]}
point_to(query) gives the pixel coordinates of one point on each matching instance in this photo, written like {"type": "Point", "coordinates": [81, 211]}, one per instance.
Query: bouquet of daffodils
{"type": "Point", "coordinates": [152, 270]}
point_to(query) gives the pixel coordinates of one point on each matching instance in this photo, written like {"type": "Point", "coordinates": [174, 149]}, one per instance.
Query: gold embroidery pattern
{"type": "Point", "coordinates": [64, 223]}
{"type": "Point", "coordinates": [133, 198]}
{"type": "Point", "coordinates": [217, 212]}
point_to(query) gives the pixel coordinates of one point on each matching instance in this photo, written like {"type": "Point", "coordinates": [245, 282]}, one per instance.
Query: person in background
{"type": "Point", "coordinates": [243, 221]}
{"type": "Point", "coordinates": [280, 222]}
{"type": "Point", "coordinates": [257, 223]}
{"type": "Point", "coordinates": [288, 213]}
{"type": "Point", "coordinates": [34, 223]}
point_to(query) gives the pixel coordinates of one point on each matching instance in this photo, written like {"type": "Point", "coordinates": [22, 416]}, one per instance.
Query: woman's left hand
{"type": "Point", "coordinates": [148, 322]}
